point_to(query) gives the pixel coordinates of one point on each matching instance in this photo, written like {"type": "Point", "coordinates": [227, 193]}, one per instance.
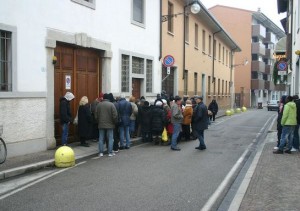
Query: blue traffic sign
{"type": "Point", "coordinates": [282, 66]}
{"type": "Point", "coordinates": [168, 61]}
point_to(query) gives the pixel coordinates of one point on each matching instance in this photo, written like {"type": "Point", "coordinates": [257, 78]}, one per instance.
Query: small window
{"type": "Point", "coordinates": [138, 13]}
{"type": "Point", "coordinates": [196, 35]}
{"type": "Point", "coordinates": [187, 20]}
{"type": "Point", "coordinates": [209, 45]}
{"type": "Point", "coordinates": [195, 83]}
{"type": "Point", "coordinates": [170, 20]}
{"type": "Point", "coordinates": [203, 40]}
{"type": "Point", "coordinates": [125, 73]}
{"type": "Point", "coordinates": [149, 69]}
{"type": "Point", "coordinates": [88, 3]}
{"type": "Point", "coordinates": [5, 61]}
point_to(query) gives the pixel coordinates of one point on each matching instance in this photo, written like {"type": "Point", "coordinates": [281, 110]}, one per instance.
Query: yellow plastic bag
{"type": "Point", "coordinates": [164, 136]}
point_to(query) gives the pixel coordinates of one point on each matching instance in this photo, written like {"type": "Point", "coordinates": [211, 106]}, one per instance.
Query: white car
{"type": "Point", "coordinates": [273, 105]}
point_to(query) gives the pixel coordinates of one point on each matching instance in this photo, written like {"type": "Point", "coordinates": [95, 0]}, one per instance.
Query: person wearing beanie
{"type": "Point", "coordinates": [158, 120]}
{"type": "Point", "coordinates": [65, 116]}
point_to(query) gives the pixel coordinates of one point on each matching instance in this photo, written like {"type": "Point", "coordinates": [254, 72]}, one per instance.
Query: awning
{"type": "Point", "coordinates": [280, 47]}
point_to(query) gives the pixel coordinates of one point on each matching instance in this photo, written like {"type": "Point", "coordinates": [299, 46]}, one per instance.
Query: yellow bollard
{"type": "Point", "coordinates": [244, 109]}
{"type": "Point", "coordinates": [238, 110]}
{"type": "Point", "coordinates": [64, 157]}
{"type": "Point", "coordinates": [228, 113]}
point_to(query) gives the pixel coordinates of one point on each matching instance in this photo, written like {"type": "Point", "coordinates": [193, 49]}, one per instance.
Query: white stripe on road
{"type": "Point", "coordinates": [216, 195]}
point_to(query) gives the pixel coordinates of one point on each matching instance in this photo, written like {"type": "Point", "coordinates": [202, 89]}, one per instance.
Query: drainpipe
{"type": "Point", "coordinates": [231, 82]}
{"type": "Point", "coordinates": [213, 56]}
{"type": "Point", "coordinates": [160, 31]}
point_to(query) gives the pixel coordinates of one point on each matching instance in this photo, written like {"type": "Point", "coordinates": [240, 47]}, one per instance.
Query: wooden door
{"type": "Point", "coordinates": [136, 87]}
{"type": "Point", "coordinates": [82, 67]}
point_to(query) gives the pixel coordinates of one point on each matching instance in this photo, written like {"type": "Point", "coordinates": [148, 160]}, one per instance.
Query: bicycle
{"type": "Point", "coordinates": [3, 149]}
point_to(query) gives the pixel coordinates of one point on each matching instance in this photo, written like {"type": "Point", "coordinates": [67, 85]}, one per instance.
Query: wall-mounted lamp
{"type": "Point", "coordinates": [242, 64]}
{"type": "Point", "coordinates": [195, 8]}
{"type": "Point", "coordinates": [54, 60]}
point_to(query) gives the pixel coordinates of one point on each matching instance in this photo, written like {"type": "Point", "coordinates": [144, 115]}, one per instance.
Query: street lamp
{"type": "Point", "coordinates": [195, 8]}
{"type": "Point", "coordinates": [231, 82]}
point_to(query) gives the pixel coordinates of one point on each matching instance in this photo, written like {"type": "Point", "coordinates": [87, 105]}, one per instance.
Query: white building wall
{"type": "Point", "coordinates": [109, 23]}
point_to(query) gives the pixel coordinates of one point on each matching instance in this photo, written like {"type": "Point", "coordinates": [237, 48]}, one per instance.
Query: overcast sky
{"type": "Point", "coordinates": [267, 7]}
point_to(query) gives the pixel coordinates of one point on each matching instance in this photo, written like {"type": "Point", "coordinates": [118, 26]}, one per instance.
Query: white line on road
{"type": "Point", "coordinates": [216, 195]}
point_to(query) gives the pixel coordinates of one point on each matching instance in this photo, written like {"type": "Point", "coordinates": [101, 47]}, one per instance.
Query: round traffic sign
{"type": "Point", "coordinates": [168, 61]}
{"type": "Point", "coordinates": [282, 66]}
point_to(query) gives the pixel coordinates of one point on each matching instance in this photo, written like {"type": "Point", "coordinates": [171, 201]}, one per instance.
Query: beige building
{"type": "Point", "coordinates": [257, 36]}
{"type": "Point", "coordinates": [203, 54]}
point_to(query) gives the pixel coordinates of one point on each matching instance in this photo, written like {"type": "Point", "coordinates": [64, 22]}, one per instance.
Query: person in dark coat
{"type": "Point", "coordinates": [200, 119]}
{"type": "Point", "coordinates": [158, 121]}
{"type": "Point", "coordinates": [124, 112]}
{"type": "Point", "coordinates": [296, 131]}
{"type": "Point", "coordinates": [144, 116]}
{"type": "Point", "coordinates": [213, 107]}
{"type": "Point", "coordinates": [65, 116]}
{"type": "Point", "coordinates": [107, 117]}
{"type": "Point", "coordinates": [84, 121]}
{"type": "Point", "coordinates": [279, 126]}
{"type": "Point", "coordinates": [94, 132]}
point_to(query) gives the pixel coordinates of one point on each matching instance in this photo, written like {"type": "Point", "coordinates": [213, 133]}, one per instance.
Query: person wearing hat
{"type": "Point", "coordinates": [65, 116]}
{"type": "Point", "coordinates": [158, 120]}
{"type": "Point", "coordinates": [176, 120]}
{"type": "Point", "coordinates": [200, 119]}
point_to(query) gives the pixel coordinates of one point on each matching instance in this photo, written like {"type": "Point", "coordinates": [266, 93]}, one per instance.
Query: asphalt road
{"type": "Point", "coordinates": [147, 177]}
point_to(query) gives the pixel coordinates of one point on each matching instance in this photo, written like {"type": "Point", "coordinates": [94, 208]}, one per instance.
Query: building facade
{"type": "Point", "coordinates": [203, 52]}
{"type": "Point", "coordinates": [291, 45]}
{"type": "Point", "coordinates": [257, 35]}
{"type": "Point", "coordinates": [82, 46]}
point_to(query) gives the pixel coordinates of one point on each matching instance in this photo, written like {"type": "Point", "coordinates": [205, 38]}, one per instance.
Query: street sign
{"type": "Point", "coordinates": [168, 61]}
{"type": "Point", "coordinates": [282, 72]}
{"type": "Point", "coordinates": [168, 70]}
{"type": "Point", "coordinates": [282, 66]}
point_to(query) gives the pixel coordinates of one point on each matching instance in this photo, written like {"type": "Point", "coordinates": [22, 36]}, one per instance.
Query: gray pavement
{"type": "Point", "coordinates": [272, 186]}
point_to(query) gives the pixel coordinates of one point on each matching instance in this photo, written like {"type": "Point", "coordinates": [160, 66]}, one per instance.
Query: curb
{"type": "Point", "coordinates": [48, 163]}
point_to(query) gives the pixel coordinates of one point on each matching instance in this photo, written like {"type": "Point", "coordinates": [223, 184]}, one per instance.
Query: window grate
{"type": "Point", "coordinates": [125, 73]}
{"type": "Point", "coordinates": [149, 68]}
{"type": "Point", "coordinates": [5, 61]}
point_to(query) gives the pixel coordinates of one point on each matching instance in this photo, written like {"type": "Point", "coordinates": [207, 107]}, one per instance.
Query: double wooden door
{"type": "Point", "coordinates": [77, 70]}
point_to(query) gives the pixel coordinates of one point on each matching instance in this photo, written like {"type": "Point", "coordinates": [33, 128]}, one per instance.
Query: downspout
{"type": "Point", "coordinates": [231, 82]}
{"type": "Point", "coordinates": [213, 56]}
{"type": "Point", "coordinates": [160, 31]}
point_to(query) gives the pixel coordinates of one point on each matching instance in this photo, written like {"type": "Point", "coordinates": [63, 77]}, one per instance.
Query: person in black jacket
{"type": "Point", "coordinates": [84, 121]}
{"type": "Point", "coordinates": [144, 115]}
{"type": "Point", "coordinates": [65, 116]}
{"type": "Point", "coordinates": [200, 119]}
{"type": "Point", "coordinates": [158, 121]}
{"type": "Point", "coordinates": [213, 107]}
{"type": "Point", "coordinates": [296, 131]}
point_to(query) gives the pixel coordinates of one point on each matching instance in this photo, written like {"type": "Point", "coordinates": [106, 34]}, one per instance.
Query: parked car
{"type": "Point", "coordinates": [273, 105]}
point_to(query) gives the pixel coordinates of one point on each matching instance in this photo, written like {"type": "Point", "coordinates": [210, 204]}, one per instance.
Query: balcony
{"type": "Point", "coordinates": [258, 48]}
{"type": "Point", "coordinates": [269, 85]}
{"type": "Point", "coordinates": [270, 38]}
{"type": "Point", "coordinates": [269, 69]}
{"type": "Point", "coordinates": [257, 84]}
{"type": "Point", "coordinates": [258, 66]}
{"type": "Point", "coordinates": [258, 31]}
{"type": "Point", "coordinates": [269, 53]}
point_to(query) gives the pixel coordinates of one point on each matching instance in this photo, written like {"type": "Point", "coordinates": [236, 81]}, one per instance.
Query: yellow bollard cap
{"type": "Point", "coordinates": [64, 157]}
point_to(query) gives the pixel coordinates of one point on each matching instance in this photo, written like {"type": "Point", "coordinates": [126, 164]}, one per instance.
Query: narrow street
{"type": "Point", "coordinates": [147, 177]}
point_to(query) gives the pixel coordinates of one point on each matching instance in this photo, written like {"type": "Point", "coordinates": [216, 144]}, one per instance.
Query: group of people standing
{"type": "Point", "coordinates": [288, 121]}
{"type": "Point", "coordinates": [116, 120]}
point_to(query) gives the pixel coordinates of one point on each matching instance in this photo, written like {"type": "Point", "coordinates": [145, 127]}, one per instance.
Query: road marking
{"type": "Point", "coordinates": [238, 198]}
{"type": "Point", "coordinates": [221, 188]}
{"type": "Point", "coordinates": [35, 182]}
